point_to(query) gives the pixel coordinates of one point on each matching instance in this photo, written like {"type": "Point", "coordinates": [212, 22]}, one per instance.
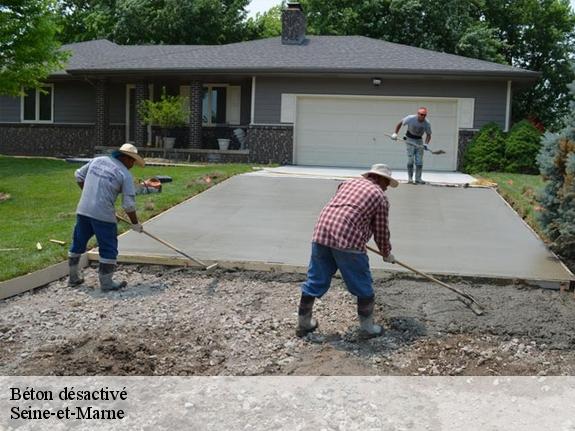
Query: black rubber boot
{"type": "Point", "coordinates": [365, 308]}
{"type": "Point", "coordinates": [305, 322]}
{"type": "Point", "coordinates": [410, 174]}
{"type": "Point", "coordinates": [105, 273]}
{"type": "Point", "coordinates": [75, 278]}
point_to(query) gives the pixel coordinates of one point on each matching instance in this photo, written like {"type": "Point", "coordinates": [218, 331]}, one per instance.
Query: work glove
{"type": "Point", "coordinates": [394, 136]}
{"type": "Point", "coordinates": [426, 147]}
{"type": "Point", "coordinates": [390, 258]}
{"type": "Point", "coordinates": [137, 228]}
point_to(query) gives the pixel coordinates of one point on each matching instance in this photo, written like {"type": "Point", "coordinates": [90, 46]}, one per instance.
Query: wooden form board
{"type": "Point", "coordinates": [36, 279]}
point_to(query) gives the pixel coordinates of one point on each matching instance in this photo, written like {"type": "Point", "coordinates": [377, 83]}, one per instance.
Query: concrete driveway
{"type": "Point", "coordinates": [257, 220]}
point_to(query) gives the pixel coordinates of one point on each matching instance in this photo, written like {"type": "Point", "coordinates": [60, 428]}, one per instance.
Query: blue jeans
{"type": "Point", "coordinates": [325, 261]}
{"type": "Point", "coordinates": [414, 149]}
{"type": "Point", "coordinates": [106, 234]}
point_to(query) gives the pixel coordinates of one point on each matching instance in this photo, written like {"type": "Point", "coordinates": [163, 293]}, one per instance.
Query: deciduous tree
{"type": "Point", "coordinates": [29, 50]}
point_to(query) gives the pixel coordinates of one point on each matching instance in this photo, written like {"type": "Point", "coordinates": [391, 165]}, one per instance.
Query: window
{"type": "Point", "coordinates": [220, 103]}
{"type": "Point", "coordinates": [37, 104]}
{"type": "Point", "coordinates": [214, 105]}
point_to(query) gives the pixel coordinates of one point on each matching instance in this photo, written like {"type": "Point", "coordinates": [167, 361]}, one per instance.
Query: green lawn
{"type": "Point", "coordinates": [43, 198]}
{"type": "Point", "coordinates": [520, 191]}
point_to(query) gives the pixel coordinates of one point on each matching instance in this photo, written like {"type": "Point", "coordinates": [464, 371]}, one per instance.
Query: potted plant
{"type": "Point", "coordinates": [166, 113]}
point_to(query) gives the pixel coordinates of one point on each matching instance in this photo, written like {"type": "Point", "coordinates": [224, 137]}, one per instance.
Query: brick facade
{"type": "Point", "coordinates": [47, 140]}
{"type": "Point", "coordinates": [195, 128]}
{"type": "Point", "coordinates": [101, 131]}
{"type": "Point", "coordinates": [271, 144]}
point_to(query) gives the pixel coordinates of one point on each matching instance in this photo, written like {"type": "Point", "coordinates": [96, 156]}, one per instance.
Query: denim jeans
{"type": "Point", "coordinates": [106, 234]}
{"type": "Point", "coordinates": [325, 261]}
{"type": "Point", "coordinates": [414, 149]}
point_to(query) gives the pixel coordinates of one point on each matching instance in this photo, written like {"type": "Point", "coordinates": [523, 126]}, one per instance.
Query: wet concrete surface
{"type": "Point", "coordinates": [468, 232]}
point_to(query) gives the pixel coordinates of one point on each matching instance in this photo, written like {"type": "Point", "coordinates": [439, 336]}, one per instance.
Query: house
{"type": "Point", "coordinates": [307, 100]}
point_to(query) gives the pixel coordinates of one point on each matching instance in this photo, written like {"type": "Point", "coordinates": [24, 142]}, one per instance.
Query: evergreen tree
{"type": "Point", "coordinates": [557, 164]}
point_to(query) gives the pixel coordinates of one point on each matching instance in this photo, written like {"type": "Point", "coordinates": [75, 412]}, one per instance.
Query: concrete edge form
{"type": "Point", "coordinates": [279, 267]}
{"type": "Point", "coordinates": [36, 279]}
{"type": "Point", "coordinates": [567, 270]}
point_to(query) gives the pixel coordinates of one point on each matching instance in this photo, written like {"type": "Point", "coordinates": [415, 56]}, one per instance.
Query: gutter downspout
{"type": "Point", "coordinates": [253, 103]}
{"type": "Point", "coordinates": [508, 108]}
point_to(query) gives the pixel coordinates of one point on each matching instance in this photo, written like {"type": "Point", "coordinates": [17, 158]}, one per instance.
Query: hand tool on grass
{"type": "Point", "coordinates": [464, 297]}
{"type": "Point", "coordinates": [425, 147]}
{"type": "Point", "coordinates": [167, 244]}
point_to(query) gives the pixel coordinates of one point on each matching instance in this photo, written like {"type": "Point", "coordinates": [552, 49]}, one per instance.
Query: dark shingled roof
{"type": "Point", "coordinates": [318, 54]}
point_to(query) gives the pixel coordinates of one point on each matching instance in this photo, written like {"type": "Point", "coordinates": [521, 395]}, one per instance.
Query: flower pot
{"type": "Point", "coordinates": [169, 143]}
{"type": "Point", "coordinates": [224, 144]}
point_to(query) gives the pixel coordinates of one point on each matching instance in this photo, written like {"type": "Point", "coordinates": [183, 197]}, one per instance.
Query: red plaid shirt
{"type": "Point", "coordinates": [358, 210]}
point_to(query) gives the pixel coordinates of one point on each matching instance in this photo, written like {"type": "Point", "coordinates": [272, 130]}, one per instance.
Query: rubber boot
{"type": "Point", "coordinates": [410, 174]}
{"type": "Point", "coordinates": [75, 278]}
{"type": "Point", "coordinates": [305, 323]}
{"type": "Point", "coordinates": [365, 313]}
{"type": "Point", "coordinates": [418, 172]}
{"type": "Point", "coordinates": [105, 273]}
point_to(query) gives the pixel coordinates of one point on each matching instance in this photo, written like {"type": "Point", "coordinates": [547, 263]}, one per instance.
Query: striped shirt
{"type": "Point", "coordinates": [358, 210]}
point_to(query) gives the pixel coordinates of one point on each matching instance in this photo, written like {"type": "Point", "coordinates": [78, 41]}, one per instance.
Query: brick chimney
{"type": "Point", "coordinates": [293, 24]}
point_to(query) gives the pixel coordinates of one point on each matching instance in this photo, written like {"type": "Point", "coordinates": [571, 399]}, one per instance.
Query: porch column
{"type": "Point", "coordinates": [102, 126]}
{"type": "Point", "coordinates": [195, 135]}
{"type": "Point", "coordinates": [139, 127]}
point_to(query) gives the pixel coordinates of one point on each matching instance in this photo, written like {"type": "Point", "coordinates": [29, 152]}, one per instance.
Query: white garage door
{"type": "Point", "coordinates": [349, 131]}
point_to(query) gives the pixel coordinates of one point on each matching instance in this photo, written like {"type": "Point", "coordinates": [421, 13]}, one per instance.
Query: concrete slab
{"type": "Point", "coordinates": [270, 219]}
{"type": "Point", "coordinates": [447, 178]}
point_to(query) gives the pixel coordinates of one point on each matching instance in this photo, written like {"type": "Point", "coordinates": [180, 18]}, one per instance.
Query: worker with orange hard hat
{"type": "Point", "coordinates": [417, 125]}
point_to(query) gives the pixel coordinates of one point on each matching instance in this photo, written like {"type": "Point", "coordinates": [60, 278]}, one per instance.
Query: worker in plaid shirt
{"type": "Point", "coordinates": [358, 210]}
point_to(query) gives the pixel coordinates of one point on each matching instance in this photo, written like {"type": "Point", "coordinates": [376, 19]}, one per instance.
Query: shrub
{"type": "Point", "coordinates": [167, 113]}
{"type": "Point", "coordinates": [521, 148]}
{"type": "Point", "coordinates": [486, 150]}
{"type": "Point", "coordinates": [557, 164]}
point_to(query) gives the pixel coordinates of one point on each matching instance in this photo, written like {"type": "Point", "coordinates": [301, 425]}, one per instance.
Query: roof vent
{"type": "Point", "coordinates": [293, 24]}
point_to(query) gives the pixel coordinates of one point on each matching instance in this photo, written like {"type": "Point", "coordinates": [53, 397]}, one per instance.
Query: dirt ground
{"type": "Point", "coordinates": [178, 321]}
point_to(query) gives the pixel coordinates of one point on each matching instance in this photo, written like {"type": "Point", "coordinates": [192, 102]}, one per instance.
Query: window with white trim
{"type": "Point", "coordinates": [38, 104]}
{"type": "Point", "coordinates": [220, 103]}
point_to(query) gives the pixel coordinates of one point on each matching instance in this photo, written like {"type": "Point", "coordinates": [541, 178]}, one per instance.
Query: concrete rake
{"type": "Point", "coordinates": [167, 244]}
{"type": "Point", "coordinates": [464, 297]}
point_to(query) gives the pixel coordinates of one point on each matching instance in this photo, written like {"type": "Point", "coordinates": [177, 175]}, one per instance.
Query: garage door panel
{"type": "Point", "coordinates": [349, 131]}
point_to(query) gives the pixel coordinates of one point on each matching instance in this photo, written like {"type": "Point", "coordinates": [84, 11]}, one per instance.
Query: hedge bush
{"type": "Point", "coordinates": [486, 151]}
{"type": "Point", "coordinates": [492, 150]}
{"type": "Point", "coordinates": [522, 146]}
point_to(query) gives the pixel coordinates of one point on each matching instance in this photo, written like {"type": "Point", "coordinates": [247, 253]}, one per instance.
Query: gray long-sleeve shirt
{"type": "Point", "coordinates": [104, 179]}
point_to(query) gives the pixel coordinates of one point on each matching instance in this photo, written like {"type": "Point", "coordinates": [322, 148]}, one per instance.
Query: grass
{"type": "Point", "coordinates": [520, 191]}
{"type": "Point", "coordinates": [38, 199]}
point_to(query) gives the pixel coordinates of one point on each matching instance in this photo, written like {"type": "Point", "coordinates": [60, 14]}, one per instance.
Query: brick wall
{"type": "Point", "coordinates": [271, 144]}
{"type": "Point", "coordinates": [46, 140]}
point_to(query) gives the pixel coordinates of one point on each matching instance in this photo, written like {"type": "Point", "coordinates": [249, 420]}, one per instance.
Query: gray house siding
{"type": "Point", "coordinates": [490, 96]}
{"type": "Point", "coordinates": [9, 109]}
{"type": "Point", "coordinates": [74, 103]}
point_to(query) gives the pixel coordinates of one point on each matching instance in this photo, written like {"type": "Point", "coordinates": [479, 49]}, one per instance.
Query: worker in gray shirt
{"type": "Point", "coordinates": [417, 125]}
{"type": "Point", "coordinates": [101, 181]}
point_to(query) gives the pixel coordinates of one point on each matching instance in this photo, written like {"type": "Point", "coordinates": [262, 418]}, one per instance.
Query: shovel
{"type": "Point", "coordinates": [435, 153]}
{"type": "Point", "coordinates": [464, 297]}
{"type": "Point", "coordinates": [167, 244]}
